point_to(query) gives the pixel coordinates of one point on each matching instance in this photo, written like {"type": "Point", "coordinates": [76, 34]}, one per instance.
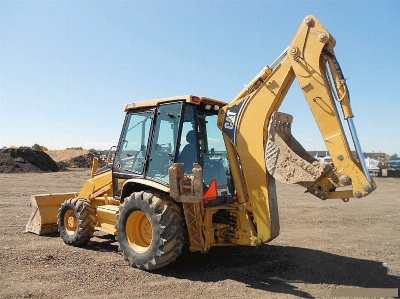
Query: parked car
{"type": "Point", "coordinates": [325, 159]}
{"type": "Point", "coordinates": [394, 163]}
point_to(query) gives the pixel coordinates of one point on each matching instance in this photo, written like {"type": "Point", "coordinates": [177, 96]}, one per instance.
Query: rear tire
{"type": "Point", "coordinates": [150, 230]}
{"type": "Point", "coordinates": [76, 221]}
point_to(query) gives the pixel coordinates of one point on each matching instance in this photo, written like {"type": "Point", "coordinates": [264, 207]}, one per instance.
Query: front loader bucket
{"type": "Point", "coordinates": [285, 158]}
{"type": "Point", "coordinates": [43, 219]}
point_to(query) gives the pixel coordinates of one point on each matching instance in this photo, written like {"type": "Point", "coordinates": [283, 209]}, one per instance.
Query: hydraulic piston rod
{"type": "Point", "coordinates": [357, 145]}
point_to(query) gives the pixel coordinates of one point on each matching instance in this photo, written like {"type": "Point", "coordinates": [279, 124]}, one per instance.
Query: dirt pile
{"type": "Point", "coordinates": [72, 158]}
{"type": "Point", "coordinates": [65, 155]}
{"type": "Point", "coordinates": [83, 161]}
{"type": "Point", "coordinates": [26, 160]}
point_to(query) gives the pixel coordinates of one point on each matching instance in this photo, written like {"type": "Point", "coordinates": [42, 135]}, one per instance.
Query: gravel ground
{"type": "Point", "coordinates": [323, 245]}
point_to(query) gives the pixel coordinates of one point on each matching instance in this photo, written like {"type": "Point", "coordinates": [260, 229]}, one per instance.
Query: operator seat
{"type": "Point", "coordinates": [188, 155]}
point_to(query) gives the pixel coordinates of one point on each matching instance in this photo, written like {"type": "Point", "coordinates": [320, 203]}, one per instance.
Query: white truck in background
{"type": "Point", "coordinates": [373, 166]}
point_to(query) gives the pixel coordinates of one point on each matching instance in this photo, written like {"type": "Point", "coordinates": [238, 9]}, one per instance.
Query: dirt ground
{"type": "Point", "coordinates": [323, 245]}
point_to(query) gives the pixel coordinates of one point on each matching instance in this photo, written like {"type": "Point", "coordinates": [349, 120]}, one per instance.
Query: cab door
{"type": "Point", "coordinates": [164, 141]}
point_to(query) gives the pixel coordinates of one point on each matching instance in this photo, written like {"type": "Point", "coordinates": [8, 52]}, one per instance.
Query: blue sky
{"type": "Point", "coordinates": [68, 67]}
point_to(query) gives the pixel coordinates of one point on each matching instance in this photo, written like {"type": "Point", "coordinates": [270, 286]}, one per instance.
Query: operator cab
{"type": "Point", "coordinates": [158, 133]}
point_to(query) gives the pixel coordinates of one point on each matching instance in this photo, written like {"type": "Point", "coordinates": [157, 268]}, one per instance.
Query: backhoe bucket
{"type": "Point", "coordinates": [43, 219]}
{"type": "Point", "coordinates": [285, 158]}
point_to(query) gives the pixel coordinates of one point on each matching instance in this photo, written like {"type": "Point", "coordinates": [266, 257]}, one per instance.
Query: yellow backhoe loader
{"type": "Point", "coordinates": [200, 171]}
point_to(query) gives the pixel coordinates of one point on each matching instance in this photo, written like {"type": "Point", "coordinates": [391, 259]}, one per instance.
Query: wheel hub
{"type": "Point", "coordinates": [71, 222]}
{"type": "Point", "coordinates": [139, 231]}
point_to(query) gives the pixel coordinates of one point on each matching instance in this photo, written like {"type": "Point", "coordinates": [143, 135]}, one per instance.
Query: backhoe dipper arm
{"type": "Point", "coordinates": [258, 137]}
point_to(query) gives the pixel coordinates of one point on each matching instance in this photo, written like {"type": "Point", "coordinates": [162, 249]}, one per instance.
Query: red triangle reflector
{"type": "Point", "coordinates": [212, 191]}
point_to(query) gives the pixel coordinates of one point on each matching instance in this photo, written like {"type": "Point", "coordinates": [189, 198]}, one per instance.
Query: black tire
{"type": "Point", "coordinates": [76, 221]}
{"type": "Point", "coordinates": [150, 230]}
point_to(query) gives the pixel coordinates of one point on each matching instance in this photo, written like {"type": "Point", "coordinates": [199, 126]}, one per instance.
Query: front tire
{"type": "Point", "coordinates": [150, 230]}
{"type": "Point", "coordinates": [76, 221]}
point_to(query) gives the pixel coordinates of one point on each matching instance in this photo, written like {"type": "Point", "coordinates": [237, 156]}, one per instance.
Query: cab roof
{"type": "Point", "coordinates": [187, 98]}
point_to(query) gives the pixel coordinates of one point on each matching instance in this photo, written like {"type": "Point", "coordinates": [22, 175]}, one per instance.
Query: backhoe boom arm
{"type": "Point", "coordinates": [258, 137]}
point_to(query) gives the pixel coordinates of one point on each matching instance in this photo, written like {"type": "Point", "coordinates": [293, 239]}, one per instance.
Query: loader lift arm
{"type": "Point", "coordinates": [258, 138]}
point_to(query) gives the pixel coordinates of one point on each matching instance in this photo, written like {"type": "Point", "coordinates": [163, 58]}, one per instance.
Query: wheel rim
{"type": "Point", "coordinates": [70, 222]}
{"type": "Point", "coordinates": [139, 231]}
